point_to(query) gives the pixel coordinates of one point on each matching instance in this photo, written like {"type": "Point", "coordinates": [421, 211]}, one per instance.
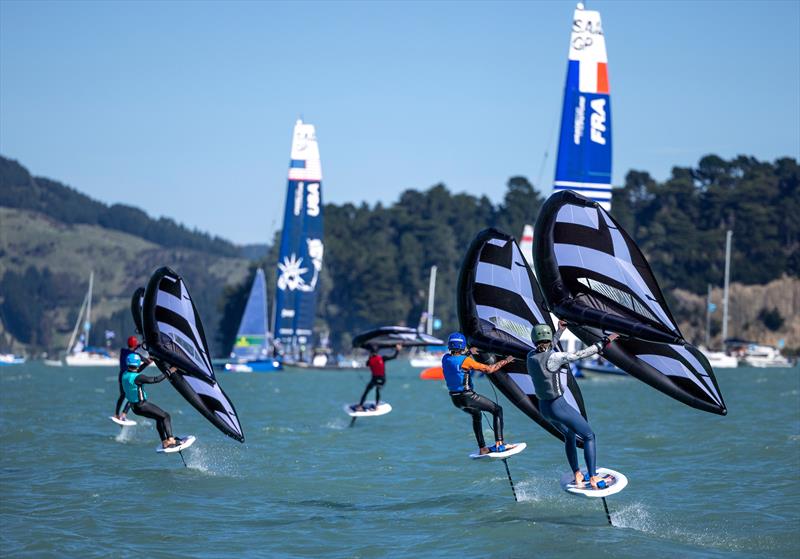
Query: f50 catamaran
{"type": "Point", "coordinates": [252, 350]}
{"type": "Point", "coordinates": [300, 260]}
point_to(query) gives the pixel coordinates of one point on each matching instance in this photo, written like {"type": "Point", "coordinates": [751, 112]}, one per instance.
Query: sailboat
{"type": "Point", "coordinates": [252, 350]}
{"type": "Point", "coordinates": [79, 353]}
{"type": "Point", "coordinates": [300, 260]}
{"type": "Point", "coordinates": [430, 356]}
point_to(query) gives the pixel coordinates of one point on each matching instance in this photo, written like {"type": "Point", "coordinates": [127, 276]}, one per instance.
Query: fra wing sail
{"type": "Point", "coordinates": [174, 335]}
{"type": "Point", "coordinates": [499, 301]}
{"type": "Point", "coordinates": [593, 275]}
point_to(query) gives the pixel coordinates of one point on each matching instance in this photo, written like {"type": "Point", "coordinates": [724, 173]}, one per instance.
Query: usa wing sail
{"type": "Point", "coordinates": [300, 260]}
{"type": "Point", "coordinates": [584, 147]}
{"type": "Point", "coordinates": [389, 336]}
{"type": "Point", "coordinates": [499, 302]}
{"type": "Point", "coordinates": [594, 276]}
{"type": "Point", "coordinates": [174, 336]}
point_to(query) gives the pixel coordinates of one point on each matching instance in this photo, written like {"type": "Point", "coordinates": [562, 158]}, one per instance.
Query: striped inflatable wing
{"type": "Point", "coordinates": [136, 309]}
{"type": "Point", "coordinates": [678, 370]}
{"type": "Point", "coordinates": [389, 336]}
{"type": "Point", "coordinates": [499, 301]}
{"type": "Point", "coordinates": [584, 147]}
{"type": "Point", "coordinates": [593, 274]}
{"type": "Point", "coordinates": [175, 337]}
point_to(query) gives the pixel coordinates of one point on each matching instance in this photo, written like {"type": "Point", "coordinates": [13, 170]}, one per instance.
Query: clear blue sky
{"type": "Point", "coordinates": [186, 109]}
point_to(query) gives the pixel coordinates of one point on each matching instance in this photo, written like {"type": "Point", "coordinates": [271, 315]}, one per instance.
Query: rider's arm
{"type": "Point", "coordinates": [144, 379]}
{"type": "Point", "coordinates": [558, 334]}
{"type": "Point", "coordinates": [470, 364]}
{"type": "Point", "coordinates": [392, 356]}
{"type": "Point", "coordinates": [559, 358]}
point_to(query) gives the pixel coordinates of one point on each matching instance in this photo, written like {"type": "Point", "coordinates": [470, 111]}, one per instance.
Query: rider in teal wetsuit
{"type": "Point", "coordinates": [544, 364]}
{"type": "Point", "coordinates": [133, 384]}
{"type": "Point", "coordinates": [457, 367]}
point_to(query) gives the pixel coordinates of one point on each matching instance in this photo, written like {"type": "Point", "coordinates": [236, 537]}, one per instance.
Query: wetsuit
{"type": "Point", "coordinates": [123, 367]}
{"type": "Point", "coordinates": [133, 383]}
{"type": "Point", "coordinates": [457, 369]}
{"type": "Point", "coordinates": [377, 366]}
{"type": "Point", "coordinates": [544, 369]}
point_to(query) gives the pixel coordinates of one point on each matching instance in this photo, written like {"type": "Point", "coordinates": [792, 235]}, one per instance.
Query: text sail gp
{"type": "Point", "coordinates": [300, 260]}
{"type": "Point", "coordinates": [584, 146]}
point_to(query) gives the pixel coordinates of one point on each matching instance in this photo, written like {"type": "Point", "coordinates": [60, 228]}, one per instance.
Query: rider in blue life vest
{"type": "Point", "coordinates": [133, 383]}
{"type": "Point", "coordinates": [457, 367]}
{"type": "Point", "coordinates": [544, 364]}
{"type": "Point", "coordinates": [133, 347]}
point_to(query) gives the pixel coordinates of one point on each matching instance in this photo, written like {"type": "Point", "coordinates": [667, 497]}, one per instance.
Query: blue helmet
{"type": "Point", "coordinates": [133, 360]}
{"type": "Point", "coordinates": [456, 341]}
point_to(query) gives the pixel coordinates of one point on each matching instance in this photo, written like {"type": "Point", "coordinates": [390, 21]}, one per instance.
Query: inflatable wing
{"type": "Point", "coordinates": [390, 336]}
{"type": "Point", "coordinates": [593, 275]}
{"type": "Point", "coordinates": [174, 336]}
{"type": "Point", "coordinates": [136, 309]}
{"type": "Point", "coordinates": [499, 301]}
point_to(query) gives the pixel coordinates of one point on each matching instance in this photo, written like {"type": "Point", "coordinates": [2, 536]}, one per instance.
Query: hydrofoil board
{"type": "Point", "coordinates": [615, 482]}
{"type": "Point", "coordinates": [123, 422]}
{"type": "Point", "coordinates": [370, 409]}
{"type": "Point", "coordinates": [519, 447]}
{"type": "Point", "coordinates": [186, 442]}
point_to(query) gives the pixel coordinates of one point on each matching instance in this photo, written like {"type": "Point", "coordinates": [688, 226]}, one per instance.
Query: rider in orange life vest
{"type": "Point", "coordinates": [377, 366]}
{"type": "Point", "coordinates": [457, 367]}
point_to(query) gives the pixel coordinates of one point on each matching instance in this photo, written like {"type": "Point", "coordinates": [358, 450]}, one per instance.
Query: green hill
{"type": "Point", "coordinates": [46, 254]}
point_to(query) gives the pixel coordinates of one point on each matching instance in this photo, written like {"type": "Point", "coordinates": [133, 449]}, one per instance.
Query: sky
{"type": "Point", "coordinates": [186, 109]}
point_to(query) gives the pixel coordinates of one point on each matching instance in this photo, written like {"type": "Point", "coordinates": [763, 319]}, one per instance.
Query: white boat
{"type": "Point", "coordinates": [425, 359]}
{"type": "Point", "coordinates": [11, 359]}
{"type": "Point", "coordinates": [79, 353]}
{"type": "Point", "coordinates": [720, 359]}
{"type": "Point", "coordinates": [763, 356]}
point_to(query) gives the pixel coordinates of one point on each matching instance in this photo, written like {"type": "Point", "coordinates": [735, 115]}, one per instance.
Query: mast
{"type": "Point", "coordinates": [708, 318]}
{"type": "Point", "coordinates": [728, 238]}
{"type": "Point", "coordinates": [88, 326]}
{"type": "Point", "coordinates": [431, 295]}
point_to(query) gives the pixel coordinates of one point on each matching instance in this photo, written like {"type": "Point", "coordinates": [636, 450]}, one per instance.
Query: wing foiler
{"type": "Point", "coordinates": [174, 335]}
{"type": "Point", "coordinates": [499, 301]}
{"type": "Point", "coordinates": [594, 276]}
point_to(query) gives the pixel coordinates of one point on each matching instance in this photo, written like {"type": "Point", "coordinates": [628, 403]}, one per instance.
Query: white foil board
{"type": "Point", "coordinates": [187, 442]}
{"type": "Point", "coordinates": [616, 482]}
{"type": "Point", "coordinates": [519, 447]}
{"type": "Point", "coordinates": [370, 409]}
{"type": "Point", "coordinates": [123, 422]}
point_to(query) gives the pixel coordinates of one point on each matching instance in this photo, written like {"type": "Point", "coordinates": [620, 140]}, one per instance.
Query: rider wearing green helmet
{"type": "Point", "coordinates": [544, 365]}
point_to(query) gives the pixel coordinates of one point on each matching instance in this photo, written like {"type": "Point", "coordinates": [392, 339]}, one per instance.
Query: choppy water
{"type": "Point", "coordinates": [305, 485]}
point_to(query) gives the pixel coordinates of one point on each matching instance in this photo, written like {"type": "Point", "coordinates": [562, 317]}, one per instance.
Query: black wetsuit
{"type": "Point", "coordinates": [376, 364]}
{"type": "Point", "coordinates": [146, 409]}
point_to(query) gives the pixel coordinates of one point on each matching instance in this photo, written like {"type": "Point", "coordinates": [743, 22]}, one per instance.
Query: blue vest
{"type": "Point", "coordinates": [457, 379]}
{"type": "Point", "coordinates": [130, 387]}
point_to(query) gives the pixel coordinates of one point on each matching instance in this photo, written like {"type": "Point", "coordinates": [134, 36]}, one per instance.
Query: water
{"type": "Point", "coordinates": [304, 484]}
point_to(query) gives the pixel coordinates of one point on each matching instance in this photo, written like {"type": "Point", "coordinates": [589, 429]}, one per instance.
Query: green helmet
{"type": "Point", "coordinates": [541, 333]}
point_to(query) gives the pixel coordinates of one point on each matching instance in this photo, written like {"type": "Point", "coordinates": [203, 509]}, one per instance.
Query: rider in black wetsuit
{"type": "Point", "coordinates": [133, 383]}
{"type": "Point", "coordinates": [133, 345]}
{"type": "Point", "coordinates": [377, 366]}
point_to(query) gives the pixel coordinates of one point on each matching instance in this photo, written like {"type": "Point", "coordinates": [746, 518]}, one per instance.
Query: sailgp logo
{"type": "Point", "coordinates": [580, 113]}
{"type": "Point", "coordinates": [598, 121]}
{"type": "Point", "coordinates": [292, 270]}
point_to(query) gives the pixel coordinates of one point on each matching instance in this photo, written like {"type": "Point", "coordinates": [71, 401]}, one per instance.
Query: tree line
{"type": "Point", "coordinates": [377, 258]}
